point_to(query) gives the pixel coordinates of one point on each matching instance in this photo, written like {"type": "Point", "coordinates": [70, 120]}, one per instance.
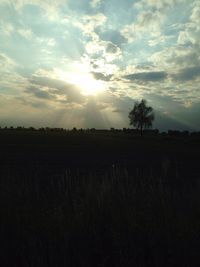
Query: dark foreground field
{"type": "Point", "coordinates": [99, 199]}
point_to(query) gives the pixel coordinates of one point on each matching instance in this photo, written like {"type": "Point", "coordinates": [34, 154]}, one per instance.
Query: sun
{"type": "Point", "coordinates": [85, 81]}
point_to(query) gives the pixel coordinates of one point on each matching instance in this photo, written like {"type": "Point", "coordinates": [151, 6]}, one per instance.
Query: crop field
{"type": "Point", "coordinates": [99, 199]}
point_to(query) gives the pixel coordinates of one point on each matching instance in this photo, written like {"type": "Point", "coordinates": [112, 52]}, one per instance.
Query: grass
{"type": "Point", "coordinates": [129, 209]}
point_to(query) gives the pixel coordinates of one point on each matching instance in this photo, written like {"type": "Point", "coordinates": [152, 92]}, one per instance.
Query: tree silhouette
{"type": "Point", "coordinates": [141, 116]}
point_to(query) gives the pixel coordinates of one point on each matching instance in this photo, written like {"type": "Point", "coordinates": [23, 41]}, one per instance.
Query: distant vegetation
{"type": "Point", "coordinates": [93, 130]}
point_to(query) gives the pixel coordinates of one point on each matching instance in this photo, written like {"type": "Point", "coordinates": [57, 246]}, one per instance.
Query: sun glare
{"type": "Point", "coordinates": [85, 81]}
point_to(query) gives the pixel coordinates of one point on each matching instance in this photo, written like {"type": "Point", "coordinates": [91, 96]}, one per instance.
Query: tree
{"type": "Point", "coordinates": [141, 116]}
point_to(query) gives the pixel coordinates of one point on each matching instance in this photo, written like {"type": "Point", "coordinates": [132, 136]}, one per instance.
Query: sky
{"type": "Point", "coordinates": [84, 63]}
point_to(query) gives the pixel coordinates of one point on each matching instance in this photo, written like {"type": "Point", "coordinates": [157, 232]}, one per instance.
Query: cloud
{"type": "Point", "coordinates": [11, 81]}
{"type": "Point", "coordinates": [100, 65]}
{"type": "Point", "coordinates": [101, 53]}
{"type": "Point", "coordinates": [47, 41]}
{"type": "Point", "coordinates": [113, 36]}
{"type": "Point", "coordinates": [89, 23]}
{"type": "Point", "coordinates": [182, 58]}
{"type": "Point", "coordinates": [112, 48]}
{"type": "Point", "coordinates": [49, 7]}
{"type": "Point", "coordinates": [147, 22]}
{"type": "Point", "coordinates": [147, 76]}
{"type": "Point", "coordinates": [43, 94]}
{"type": "Point", "coordinates": [56, 89]}
{"type": "Point", "coordinates": [38, 103]}
{"type": "Point", "coordinates": [190, 33]}
{"type": "Point", "coordinates": [26, 33]}
{"type": "Point", "coordinates": [160, 40]}
{"type": "Point", "coordinates": [105, 49]}
{"type": "Point", "coordinates": [101, 76]}
{"type": "Point", "coordinates": [27, 111]}
{"type": "Point", "coordinates": [6, 28]}
{"type": "Point", "coordinates": [6, 62]}
{"type": "Point", "coordinates": [195, 16]}
{"type": "Point", "coordinates": [96, 3]}
{"type": "Point", "coordinates": [161, 5]}
{"type": "Point", "coordinates": [149, 19]}
{"type": "Point", "coordinates": [187, 74]}
{"type": "Point", "coordinates": [95, 47]}
{"type": "Point", "coordinates": [175, 57]}
{"type": "Point", "coordinates": [130, 32]}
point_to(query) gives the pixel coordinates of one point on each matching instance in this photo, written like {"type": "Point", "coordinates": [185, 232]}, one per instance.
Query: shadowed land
{"type": "Point", "coordinates": [99, 199]}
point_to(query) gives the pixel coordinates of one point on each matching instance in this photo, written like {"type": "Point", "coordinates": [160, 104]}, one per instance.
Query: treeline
{"type": "Point", "coordinates": [175, 133]}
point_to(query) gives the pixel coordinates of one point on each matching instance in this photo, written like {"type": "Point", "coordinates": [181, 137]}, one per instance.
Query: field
{"type": "Point", "coordinates": [99, 198]}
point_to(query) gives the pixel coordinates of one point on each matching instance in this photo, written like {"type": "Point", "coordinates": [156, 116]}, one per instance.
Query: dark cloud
{"type": "Point", "coordinates": [113, 36]}
{"type": "Point", "coordinates": [120, 105]}
{"type": "Point", "coordinates": [101, 76]}
{"type": "Point", "coordinates": [111, 48]}
{"type": "Point", "coordinates": [187, 74]}
{"type": "Point", "coordinates": [118, 110]}
{"type": "Point", "coordinates": [59, 87]}
{"type": "Point", "coordinates": [43, 94]}
{"type": "Point", "coordinates": [39, 93]}
{"type": "Point", "coordinates": [163, 102]}
{"type": "Point", "coordinates": [147, 76]}
{"type": "Point", "coordinates": [36, 103]}
{"type": "Point", "coordinates": [190, 58]}
{"type": "Point", "coordinates": [144, 66]}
